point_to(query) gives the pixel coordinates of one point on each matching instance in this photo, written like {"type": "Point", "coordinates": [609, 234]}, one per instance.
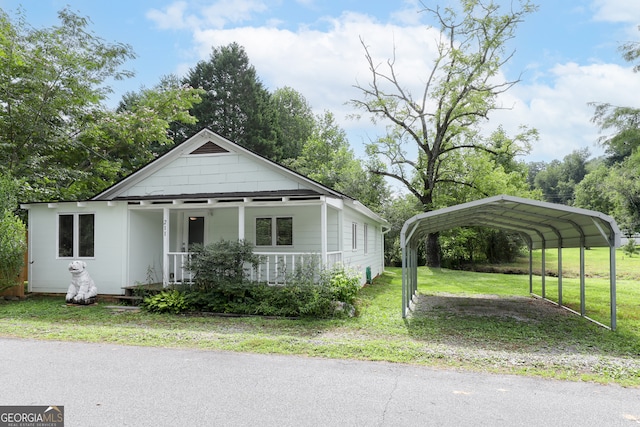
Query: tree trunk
{"type": "Point", "coordinates": [433, 250]}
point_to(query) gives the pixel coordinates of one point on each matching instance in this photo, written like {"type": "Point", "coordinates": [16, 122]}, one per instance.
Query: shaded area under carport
{"type": "Point", "coordinates": [542, 225]}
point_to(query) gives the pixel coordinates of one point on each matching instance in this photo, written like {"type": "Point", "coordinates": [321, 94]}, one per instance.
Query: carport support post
{"type": "Point", "coordinates": [544, 269]}
{"type": "Point", "coordinates": [583, 309]}
{"type": "Point", "coordinates": [612, 284]}
{"type": "Point", "coordinates": [405, 280]}
{"type": "Point", "coordinates": [560, 273]}
{"type": "Point", "coordinates": [530, 268]}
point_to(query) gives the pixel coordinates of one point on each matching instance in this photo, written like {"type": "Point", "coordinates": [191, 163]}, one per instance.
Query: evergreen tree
{"type": "Point", "coordinates": [235, 104]}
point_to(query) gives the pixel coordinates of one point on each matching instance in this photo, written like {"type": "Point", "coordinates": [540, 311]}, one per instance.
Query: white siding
{"type": "Point", "coordinates": [357, 259]}
{"type": "Point", "coordinates": [145, 247]}
{"type": "Point", "coordinates": [215, 173]}
{"type": "Point", "coordinates": [48, 273]}
{"type": "Point", "coordinates": [224, 225]}
{"type": "Point", "coordinates": [333, 230]}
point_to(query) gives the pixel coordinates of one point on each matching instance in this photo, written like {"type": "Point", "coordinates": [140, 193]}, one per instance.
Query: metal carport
{"type": "Point", "coordinates": [542, 225]}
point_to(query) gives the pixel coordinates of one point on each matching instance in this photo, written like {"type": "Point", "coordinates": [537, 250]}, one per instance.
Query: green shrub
{"type": "Point", "coordinates": [630, 248]}
{"type": "Point", "coordinates": [224, 297]}
{"type": "Point", "coordinates": [12, 248]}
{"type": "Point", "coordinates": [168, 301]}
{"type": "Point", "coordinates": [221, 286]}
{"type": "Point", "coordinates": [221, 263]}
{"type": "Point", "coordinates": [343, 284]}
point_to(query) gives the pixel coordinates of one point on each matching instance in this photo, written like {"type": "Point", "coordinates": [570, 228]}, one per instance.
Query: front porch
{"type": "Point", "coordinates": [286, 232]}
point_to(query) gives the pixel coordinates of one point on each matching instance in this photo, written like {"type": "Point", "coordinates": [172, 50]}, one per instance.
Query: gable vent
{"type": "Point", "coordinates": [209, 148]}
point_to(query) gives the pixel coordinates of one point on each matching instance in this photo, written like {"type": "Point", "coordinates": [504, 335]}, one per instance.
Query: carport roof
{"type": "Point", "coordinates": [539, 222]}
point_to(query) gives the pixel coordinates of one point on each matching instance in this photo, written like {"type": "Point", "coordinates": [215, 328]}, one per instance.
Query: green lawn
{"type": "Point", "coordinates": [458, 322]}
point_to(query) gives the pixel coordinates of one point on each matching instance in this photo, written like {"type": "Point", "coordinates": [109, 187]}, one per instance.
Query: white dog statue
{"type": "Point", "coordinates": [82, 290]}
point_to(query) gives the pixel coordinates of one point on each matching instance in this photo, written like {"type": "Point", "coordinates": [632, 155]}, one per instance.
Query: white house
{"type": "Point", "coordinates": [203, 190]}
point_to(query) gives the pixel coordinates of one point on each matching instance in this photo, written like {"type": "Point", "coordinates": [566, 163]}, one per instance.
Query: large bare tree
{"type": "Point", "coordinates": [429, 133]}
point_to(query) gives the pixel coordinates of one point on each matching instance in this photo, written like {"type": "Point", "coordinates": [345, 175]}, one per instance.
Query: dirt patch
{"type": "Point", "coordinates": [526, 309]}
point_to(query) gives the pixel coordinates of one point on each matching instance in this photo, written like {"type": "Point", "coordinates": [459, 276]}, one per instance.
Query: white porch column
{"type": "Point", "coordinates": [165, 246]}
{"type": "Point", "coordinates": [323, 230]}
{"type": "Point", "coordinates": [240, 222]}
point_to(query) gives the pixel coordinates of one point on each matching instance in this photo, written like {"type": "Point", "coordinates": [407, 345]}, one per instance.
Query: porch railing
{"type": "Point", "coordinates": [177, 271]}
{"type": "Point", "coordinates": [274, 268]}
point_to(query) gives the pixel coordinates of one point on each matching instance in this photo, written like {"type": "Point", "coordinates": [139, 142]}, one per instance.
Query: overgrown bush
{"type": "Point", "coordinates": [630, 248]}
{"type": "Point", "coordinates": [167, 301]}
{"type": "Point", "coordinates": [12, 248]}
{"type": "Point", "coordinates": [222, 263]}
{"type": "Point", "coordinates": [221, 285]}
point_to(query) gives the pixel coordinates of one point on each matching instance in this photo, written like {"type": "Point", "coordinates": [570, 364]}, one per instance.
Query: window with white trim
{"type": "Point", "coordinates": [274, 231]}
{"type": "Point", "coordinates": [354, 236]}
{"type": "Point", "coordinates": [76, 235]}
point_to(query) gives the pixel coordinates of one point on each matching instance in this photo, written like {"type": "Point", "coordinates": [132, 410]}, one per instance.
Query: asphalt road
{"type": "Point", "coordinates": [111, 385]}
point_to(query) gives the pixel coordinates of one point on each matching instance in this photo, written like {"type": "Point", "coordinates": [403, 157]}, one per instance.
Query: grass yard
{"type": "Point", "coordinates": [477, 321]}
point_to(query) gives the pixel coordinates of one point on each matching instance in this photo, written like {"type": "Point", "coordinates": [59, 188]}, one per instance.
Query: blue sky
{"type": "Point", "coordinates": [565, 54]}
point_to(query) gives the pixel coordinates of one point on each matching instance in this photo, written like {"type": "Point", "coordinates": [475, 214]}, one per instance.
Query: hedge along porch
{"type": "Point", "coordinates": [542, 225]}
{"type": "Point", "coordinates": [203, 190]}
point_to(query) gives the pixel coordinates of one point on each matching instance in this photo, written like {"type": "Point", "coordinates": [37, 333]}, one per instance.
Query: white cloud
{"type": "Point", "coordinates": [231, 11]}
{"type": "Point", "coordinates": [560, 111]}
{"type": "Point", "coordinates": [625, 11]}
{"type": "Point", "coordinates": [216, 15]}
{"type": "Point", "coordinates": [172, 17]}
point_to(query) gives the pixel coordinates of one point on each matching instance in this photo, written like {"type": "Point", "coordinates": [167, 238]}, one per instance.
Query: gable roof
{"type": "Point", "coordinates": [207, 142]}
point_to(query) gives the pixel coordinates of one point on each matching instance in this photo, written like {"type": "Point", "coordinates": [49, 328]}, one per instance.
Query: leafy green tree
{"type": "Point", "coordinates": [327, 158]}
{"type": "Point", "coordinates": [460, 91]}
{"type": "Point", "coordinates": [119, 142]}
{"type": "Point", "coordinates": [12, 235]}
{"type": "Point", "coordinates": [558, 179]}
{"type": "Point", "coordinates": [470, 174]}
{"type": "Point", "coordinates": [235, 104]}
{"type": "Point", "coordinates": [397, 210]}
{"type": "Point", "coordinates": [52, 82]}
{"type": "Point", "coordinates": [624, 180]}
{"type": "Point", "coordinates": [630, 248]}
{"type": "Point", "coordinates": [625, 124]}
{"type": "Point", "coordinates": [594, 191]}
{"type": "Point", "coordinates": [631, 52]}
{"type": "Point", "coordinates": [295, 121]}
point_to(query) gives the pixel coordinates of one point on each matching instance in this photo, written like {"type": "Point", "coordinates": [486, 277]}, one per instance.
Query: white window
{"type": "Point", "coordinates": [365, 232]}
{"type": "Point", "coordinates": [354, 236]}
{"type": "Point", "coordinates": [76, 235]}
{"type": "Point", "coordinates": [276, 231]}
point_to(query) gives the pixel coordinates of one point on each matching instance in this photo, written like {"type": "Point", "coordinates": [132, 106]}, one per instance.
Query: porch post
{"type": "Point", "coordinates": [323, 230]}
{"type": "Point", "coordinates": [241, 222]}
{"type": "Point", "coordinates": [165, 246]}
